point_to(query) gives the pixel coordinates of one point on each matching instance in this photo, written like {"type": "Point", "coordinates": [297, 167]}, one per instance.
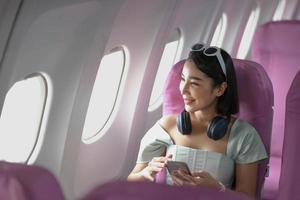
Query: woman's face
{"type": "Point", "coordinates": [197, 89]}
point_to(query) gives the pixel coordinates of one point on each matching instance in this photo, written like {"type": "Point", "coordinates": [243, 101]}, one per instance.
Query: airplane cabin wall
{"type": "Point", "coordinates": [290, 9]}
{"type": "Point", "coordinates": [8, 14]}
{"type": "Point", "coordinates": [59, 39]}
{"type": "Point", "coordinates": [66, 41]}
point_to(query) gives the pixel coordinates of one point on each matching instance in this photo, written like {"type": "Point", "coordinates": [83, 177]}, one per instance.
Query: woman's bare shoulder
{"type": "Point", "coordinates": [168, 122]}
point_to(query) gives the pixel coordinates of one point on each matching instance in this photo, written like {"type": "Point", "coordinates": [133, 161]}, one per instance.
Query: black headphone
{"type": "Point", "coordinates": [216, 129]}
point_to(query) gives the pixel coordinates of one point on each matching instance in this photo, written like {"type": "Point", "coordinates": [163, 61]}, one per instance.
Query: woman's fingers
{"type": "Point", "coordinates": [202, 174]}
{"type": "Point", "coordinates": [205, 178]}
{"type": "Point", "coordinates": [162, 159]}
{"type": "Point", "coordinates": [177, 181]}
{"type": "Point", "coordinates": [182, 178]}
{"type": "Point", "coordinates": [156, 164]}
{"type": "Point", "coordinates": [149, 177]}
{"type": "Point", "coordinates": [159, 162]}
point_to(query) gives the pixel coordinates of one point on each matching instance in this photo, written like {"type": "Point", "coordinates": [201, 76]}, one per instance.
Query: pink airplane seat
{"type": "Point", "coordinates": [122, 190]}
{"type": "Point", "coordinates": [256, 102]}
{"type": "Point", "coordinates": [276, 47]}
{"type": "Point", "coordinates": [27, 182]}
{"type": "Point", "coordinates": [289, 182]}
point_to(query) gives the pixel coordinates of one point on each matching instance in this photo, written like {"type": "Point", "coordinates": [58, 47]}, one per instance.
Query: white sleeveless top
{"type": "Point", "coordinates": [244, 146]}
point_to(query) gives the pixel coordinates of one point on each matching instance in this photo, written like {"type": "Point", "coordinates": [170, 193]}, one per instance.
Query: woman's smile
{"type": "Point", "coordinates": [188, 101]}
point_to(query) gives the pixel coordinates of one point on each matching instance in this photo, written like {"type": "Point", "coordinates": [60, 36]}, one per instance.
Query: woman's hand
{"type": "Point", "coordinates": [180, 177]}
{"type": "Point", "coordinates": [155, 166]}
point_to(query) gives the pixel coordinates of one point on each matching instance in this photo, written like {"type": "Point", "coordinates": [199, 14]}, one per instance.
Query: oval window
{"type": "Point", "coordinates": [169, 58]}
{"type": "Point", "coordinates": [104, 95]}
{"type": "Point", "coordinates": [21, 118]}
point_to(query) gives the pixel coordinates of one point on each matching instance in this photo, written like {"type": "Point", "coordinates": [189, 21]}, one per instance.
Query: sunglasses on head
{"type": "Point", "coordinates": [211, 51]}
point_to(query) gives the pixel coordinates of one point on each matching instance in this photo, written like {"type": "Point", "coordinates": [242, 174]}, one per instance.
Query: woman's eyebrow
{"type": "Point", "coordinates": [192, 77]}
{"type": "Point", "coordinates": [195, 78]}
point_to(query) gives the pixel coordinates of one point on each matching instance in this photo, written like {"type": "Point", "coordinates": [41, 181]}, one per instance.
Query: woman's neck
{"type": "Point", "coordinates": [203, 117]}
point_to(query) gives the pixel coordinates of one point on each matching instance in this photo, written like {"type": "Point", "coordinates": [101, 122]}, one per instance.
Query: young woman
{"type": "Point", "coordinates": [220, 151]}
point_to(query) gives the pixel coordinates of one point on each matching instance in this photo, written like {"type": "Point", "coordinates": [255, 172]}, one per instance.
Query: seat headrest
{"type": "Point", "coordinates": [173, 102]}
{"type": "Point", "coordinates": [278, 37]}
{"type": "Point", "coordinates": [254, 87]}
{"type": "Point", "coordinates": [293, 96]}
{"type": "Point", "coordinates": [29, 182]}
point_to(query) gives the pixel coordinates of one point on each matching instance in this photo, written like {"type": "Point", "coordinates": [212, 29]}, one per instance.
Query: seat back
{"type": "Point", "coordinates": [24, 182]}
{"type": "Point", "coordinates": [11, 188]}
{"type": "Point", "coordinates": [289, 183]}
{"type": "Point", "coordinates": [256, 106]}
{"type": "Point", "coordinates": [256, 102]}
{"type": "Point", "coordinates": [172, 100]}
{"type": "Point", "coordinates": [276, 47]}
{"type": "Point", "coordinates": [121, 190]}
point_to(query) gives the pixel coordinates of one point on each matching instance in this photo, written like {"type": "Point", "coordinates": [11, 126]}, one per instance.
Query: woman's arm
{"type": "Point", "coordinates": [246, 178]}
{"type": "Point", "coordinates": [136, 175]}
{"type": "Point", "coordinates": [147, 171]}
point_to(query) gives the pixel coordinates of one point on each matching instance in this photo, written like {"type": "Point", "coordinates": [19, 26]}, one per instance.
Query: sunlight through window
{"type": "Point", "coordinates": [104, 95]}
{"type": "Point", "coordinates": [279, 10]}
{"type": "Point", "coordinates": [248, 34]}
{"type": "Point", "coordinates": [168, 59]}
{"type": "Point", "coordinates": [220, 31]}
{"type": "Point", "coordinates": [21, 119]}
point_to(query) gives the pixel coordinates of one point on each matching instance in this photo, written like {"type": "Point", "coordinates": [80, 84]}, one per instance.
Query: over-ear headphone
{"type": "Point", "coordinates": [184, 124]}
{"type": "Point", "coordinates": [216, 129]}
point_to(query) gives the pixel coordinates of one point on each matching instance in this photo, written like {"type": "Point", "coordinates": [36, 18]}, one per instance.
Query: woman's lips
{"type": "Point", "coordinates": [188, 101]}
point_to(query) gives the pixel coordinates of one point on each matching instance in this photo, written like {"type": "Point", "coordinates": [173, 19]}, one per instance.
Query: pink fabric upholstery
{"type": "Point", "coordinates": [173, 104]}
{"type": "Point", "coordinates": [276, 47]}
{"type": "Point", "coordinates": [23, 182]}
{"type": "Point", "coordinates": [11, 188]}
{"type": "Point", "coordinates": [256, 101]}
{"type": "Point", "coordinates": [256, 105]}
{"type": "Point", "coordinates": [151, 191]}
{"type": "Point", "coordinates": [290, 175]}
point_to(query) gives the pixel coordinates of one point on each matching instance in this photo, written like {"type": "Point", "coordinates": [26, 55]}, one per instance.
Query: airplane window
{"type": "Point", "coordinates": [248, 33]}
{"type": "Point", "coordinates": [219, 34]}
{"type": "Point", "coordinates": [279, 10]}
{"type": "Point", "coordinates": [104, 95]}
{"type": "Point", "coordinates": [168, 59]}
{"type": "Point", "coordinates": [21, 118]}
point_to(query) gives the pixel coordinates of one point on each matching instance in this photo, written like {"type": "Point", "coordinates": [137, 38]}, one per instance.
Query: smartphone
{"type": "Point", "coordinates": [176, 165]}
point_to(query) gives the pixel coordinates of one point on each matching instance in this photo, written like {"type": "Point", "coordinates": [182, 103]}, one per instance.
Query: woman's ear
{"type": "Point", "coordinates": [220, 89]}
